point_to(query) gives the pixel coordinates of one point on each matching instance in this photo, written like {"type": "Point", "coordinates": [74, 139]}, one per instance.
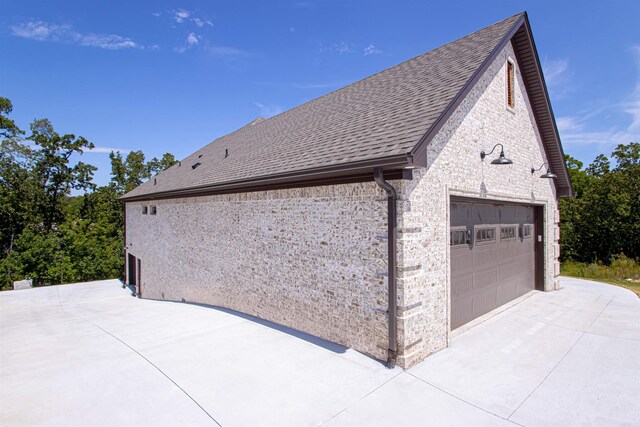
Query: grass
{"type": "Point", "coordinates": [623, 272]}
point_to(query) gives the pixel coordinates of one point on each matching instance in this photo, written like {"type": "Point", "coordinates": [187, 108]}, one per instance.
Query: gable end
{"type": "Point", "coordinates": [526, 54]}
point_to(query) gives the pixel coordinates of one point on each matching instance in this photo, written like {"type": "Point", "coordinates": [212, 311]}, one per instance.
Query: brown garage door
{"type": "Point", "coordinates": [492, 257]}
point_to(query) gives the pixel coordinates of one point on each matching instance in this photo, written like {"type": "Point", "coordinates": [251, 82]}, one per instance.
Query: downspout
{"type": "Point", "coordinates": [392, 213]}
{"type": "Point", "coordinates": [124, 216]}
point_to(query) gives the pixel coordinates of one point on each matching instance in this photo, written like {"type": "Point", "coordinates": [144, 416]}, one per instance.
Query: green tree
{"type": "Point", "coordinates": [603, 220]}
{"type": "Point", "coordinates": [46, 234]}
{"type": "Point", "coordinates": [53, 171]}
{"type": "Point", "coordinates": [155, 166]}
{"type": "Point", "coordinates": [8, 128]}
{"type": "Point", "coordinates": [136, 169]}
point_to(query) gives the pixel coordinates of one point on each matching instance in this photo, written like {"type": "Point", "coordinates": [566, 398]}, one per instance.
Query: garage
{"type": "Point", "coordinates": [493, 250]}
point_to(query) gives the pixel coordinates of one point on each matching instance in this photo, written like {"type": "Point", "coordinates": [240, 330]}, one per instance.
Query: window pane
{"type": "Point", "coordinates": [458, 238]}
{"type": "Point", "coordinates": [485, 234]}
{"type": "Point", "coordinates": [508, 232]}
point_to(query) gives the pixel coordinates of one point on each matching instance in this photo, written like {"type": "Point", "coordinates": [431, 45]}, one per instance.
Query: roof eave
{"type": "Point", "coordinates": [317, 176]}
{"type": "Point", "coordinates": [565, 187]}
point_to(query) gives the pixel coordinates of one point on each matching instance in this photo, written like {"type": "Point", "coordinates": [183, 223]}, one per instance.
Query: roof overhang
{"type": "Point", "coordinates": [396, 167]}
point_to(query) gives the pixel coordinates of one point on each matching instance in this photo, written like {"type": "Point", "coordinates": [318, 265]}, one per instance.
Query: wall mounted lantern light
{"type": "Point", "coordinates": [502, 160]}
{"type": "Point", "coordinates": [548, 174]}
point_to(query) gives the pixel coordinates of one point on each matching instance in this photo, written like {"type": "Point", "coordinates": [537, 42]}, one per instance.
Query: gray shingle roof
{"type": "Point", "coordinates": [378, 117]}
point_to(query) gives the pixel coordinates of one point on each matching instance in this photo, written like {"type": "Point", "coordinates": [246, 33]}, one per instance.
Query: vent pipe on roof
{"type": "Point", "coordinates": [226, 153]}
{"type": "Point", "coordinates": [392, 226]}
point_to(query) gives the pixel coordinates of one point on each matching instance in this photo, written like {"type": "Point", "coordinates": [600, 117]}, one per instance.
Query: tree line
{"type": "Point", "coordinates": [602, 221]}
{"type": "Point", "coordinates": [46, 234]}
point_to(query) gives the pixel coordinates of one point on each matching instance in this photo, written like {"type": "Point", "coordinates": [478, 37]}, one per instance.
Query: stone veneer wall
{"type": "Point", "coordinates": [308, 258]}
{"type": "Point", "coordinates": [455, 169]}
{"type": "Point", "coordinates": [312, 258]}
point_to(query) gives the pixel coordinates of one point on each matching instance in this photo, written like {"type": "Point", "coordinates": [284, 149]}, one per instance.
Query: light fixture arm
{"type": "Point", "coordinates": [483, 154]}
{"type": "Point", "coordinates": [534, 170]}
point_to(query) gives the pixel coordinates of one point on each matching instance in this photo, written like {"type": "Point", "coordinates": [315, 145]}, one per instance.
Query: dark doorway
{"type": "Point", "coordinates": [132, 275]}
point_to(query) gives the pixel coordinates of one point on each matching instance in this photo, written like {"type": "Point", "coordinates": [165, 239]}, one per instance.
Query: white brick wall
{"type": "Point", "coordinates": [310, 258]}
{"type": "Point", "coordinates": [306, 258]}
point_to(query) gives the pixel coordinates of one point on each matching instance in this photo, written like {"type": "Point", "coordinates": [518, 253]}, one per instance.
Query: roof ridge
{"type": "Point", "coordinates": [374, 74]}
{"type": "Point", "coordinates": [399, 64]}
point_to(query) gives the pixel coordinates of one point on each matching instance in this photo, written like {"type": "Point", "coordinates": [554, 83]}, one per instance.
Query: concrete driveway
{"type": "Point", "coordinates": [90, 354]}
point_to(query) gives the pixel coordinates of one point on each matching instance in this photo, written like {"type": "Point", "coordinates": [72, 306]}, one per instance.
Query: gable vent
{"type": "Point", "coordinates": [511, 100]}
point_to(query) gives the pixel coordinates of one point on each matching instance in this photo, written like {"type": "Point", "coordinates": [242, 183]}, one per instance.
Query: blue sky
{"type": "Point", "coordinates": [173, 75]}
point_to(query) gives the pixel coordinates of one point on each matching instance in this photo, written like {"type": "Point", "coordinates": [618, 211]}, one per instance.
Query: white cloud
{"type": "Point", "coordinates": [554, 70]}
{"type": "Point", "coordinates": [107, 150]}
{"type": "Point", "coordinates": [180, 15]}
{"type": "Point", "coordinates": [568, 124]}
{"type": "Point", "coordinates": [225, 51]}
{"type": "Point", "coordinates": [267, 111]}
{"type": "Point", "coordinates": [371, 50]}
{"type": "Point", "coordinates": [581, 129]}
{"type": "Point", "coordinates": [632, 107]}
{"type": "Point", "coordinates": [606, 138]}
{"type": "Point", "coordinates": [37, 30]}
{"type": "Point", "coordinates": [192, 39]}
{"type": "Point", "coordinates": [201, 22]}
{"type": "Point", "coordinates": [557, 76]}
{"type": "Point", "coordinates": [43, 31]}
{"type": "Point", "coordinates": [156, 14]}
{"type": "Point", "coordinates": [340, 48]}
{"type": "Point", "coordinates": [109, 41]}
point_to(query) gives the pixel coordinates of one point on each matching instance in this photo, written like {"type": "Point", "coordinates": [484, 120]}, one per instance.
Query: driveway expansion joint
{"type": "Point", "coordinates": [559, 361]}
{"type": "Point", "coordinates": [459, 398]}
{"type": "Point", "coordinates": [149, 362]}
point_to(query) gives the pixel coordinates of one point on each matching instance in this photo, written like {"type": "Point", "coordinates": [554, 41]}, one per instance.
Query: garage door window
{"type": "Point", "coordinates": [486, 235]}
{"type": "Point", "coordinates": [508, 232]}
{"type": "Point", "coordinates": [525, 231]}
{"type": "Point", "coordinates": [458, 237]}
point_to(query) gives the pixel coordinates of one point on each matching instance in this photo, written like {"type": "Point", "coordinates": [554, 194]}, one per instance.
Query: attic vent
{"type": "Point", "coordinates": [511, 100]}
{"type": "Point", "coordinates": [195, 165]}
{"type": "Point", "coordinates": [200, 156]}
{"type": "Point", "coordinates": [226, 153]}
